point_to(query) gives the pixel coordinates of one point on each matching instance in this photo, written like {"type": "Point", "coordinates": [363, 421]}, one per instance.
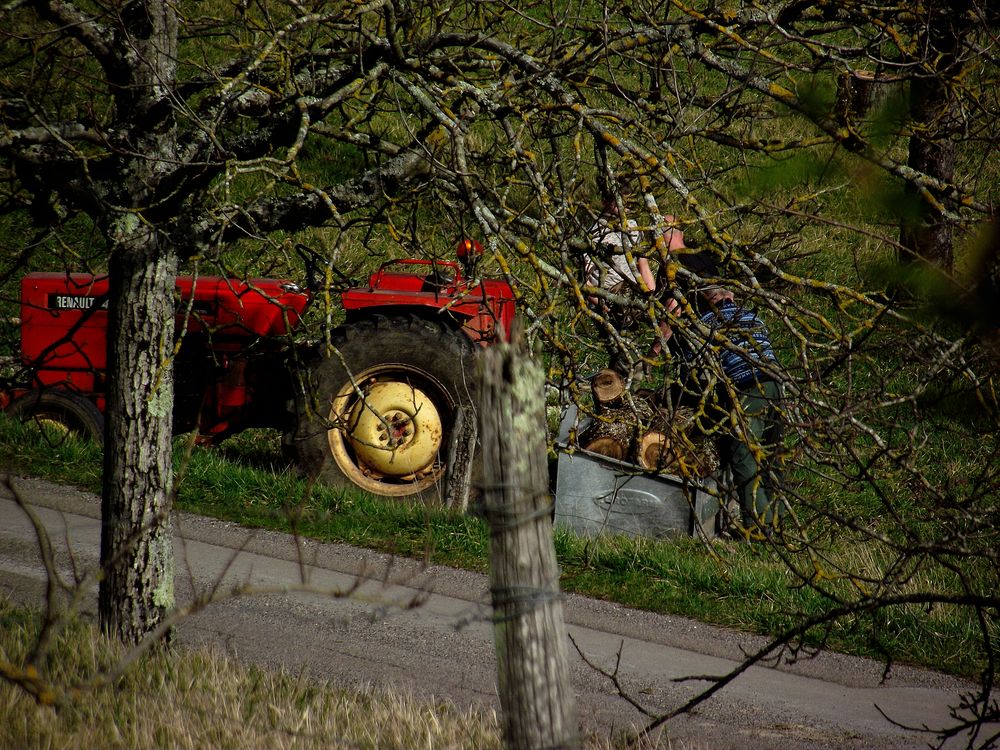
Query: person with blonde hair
{"type": "Point", "coordinates": [619, 266]}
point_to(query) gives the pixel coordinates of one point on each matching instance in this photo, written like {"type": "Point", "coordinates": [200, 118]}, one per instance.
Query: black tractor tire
{"type": "Point", "coordinates": [64, 410]}
{"type": "Point", "coordinates": [381, 411]}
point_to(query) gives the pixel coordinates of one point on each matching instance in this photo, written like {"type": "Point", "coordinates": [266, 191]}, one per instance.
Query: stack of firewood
{"type": "Point", "coordinates": [640, 428]}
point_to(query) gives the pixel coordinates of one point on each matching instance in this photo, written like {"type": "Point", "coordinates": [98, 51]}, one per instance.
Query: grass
{"type": "Point", "coordinates": [199, 698]}
{"type": "Point", "coordinates": [748, 587]}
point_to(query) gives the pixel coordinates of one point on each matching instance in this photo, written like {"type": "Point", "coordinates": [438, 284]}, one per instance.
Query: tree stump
{"type": "Point", "coordinates": [861, 91]}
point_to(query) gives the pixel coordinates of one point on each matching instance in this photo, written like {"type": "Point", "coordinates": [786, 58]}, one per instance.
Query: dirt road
{"type": "Point", "coordinates": [443, 647]}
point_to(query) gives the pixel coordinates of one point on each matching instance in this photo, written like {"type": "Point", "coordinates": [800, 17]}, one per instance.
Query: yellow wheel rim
{"type": "Point", "coordinates": [390, 437]}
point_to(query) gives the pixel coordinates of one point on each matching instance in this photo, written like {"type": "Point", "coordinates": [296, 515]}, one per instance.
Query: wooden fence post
{"type": "Point", "coordinates": [535, 693]}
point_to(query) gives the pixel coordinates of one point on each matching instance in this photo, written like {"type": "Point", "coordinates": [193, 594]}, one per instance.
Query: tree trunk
{"type": "Point", "coordinates": [137, 590]}
{"type": "Point", "coordinates": [927, 234]}
{"type": "Point", "coordinates": [535, 693]}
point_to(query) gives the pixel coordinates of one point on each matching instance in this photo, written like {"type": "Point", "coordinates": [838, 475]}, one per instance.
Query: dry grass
{"type": "Point", "coordinates": [200, 699]}
{"type": "Point", "coordinates": [194, 699]}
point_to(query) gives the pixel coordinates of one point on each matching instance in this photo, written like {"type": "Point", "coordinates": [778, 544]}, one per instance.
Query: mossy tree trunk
{"type": "Point", "coordinates": [136, 541]}
{"type": "Point", "coordinates": [137, 590]}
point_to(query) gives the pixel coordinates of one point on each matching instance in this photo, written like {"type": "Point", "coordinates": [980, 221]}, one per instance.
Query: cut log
{"type": "Point", "coordinates": [618, 426]}
{"type": "Point", "coordinates": [608, 387]}
{"type": "Point", "coordinates": [638, 428]}
{"type": "Point", "coordinates": [606, 446]}
{"type": "Point", "coordinates": [653, 451]}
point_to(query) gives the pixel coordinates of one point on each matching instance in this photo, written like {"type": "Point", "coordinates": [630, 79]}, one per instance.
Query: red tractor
{"type": "Point", "coordinates": [374, 404]}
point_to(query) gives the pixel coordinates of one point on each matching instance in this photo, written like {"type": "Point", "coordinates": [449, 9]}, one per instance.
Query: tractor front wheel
{"type": "Point", "coordinates": [383, 405]}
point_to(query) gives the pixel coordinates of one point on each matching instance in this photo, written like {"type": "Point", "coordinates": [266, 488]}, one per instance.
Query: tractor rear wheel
{"type": "Point", "coordinates": [60, 412]}
{"type": "Point", "coordinates": [384, 405]}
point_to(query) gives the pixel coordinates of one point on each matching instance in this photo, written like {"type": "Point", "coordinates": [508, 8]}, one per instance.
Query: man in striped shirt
{"type": "Point", "coordinates": [730, 349]}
